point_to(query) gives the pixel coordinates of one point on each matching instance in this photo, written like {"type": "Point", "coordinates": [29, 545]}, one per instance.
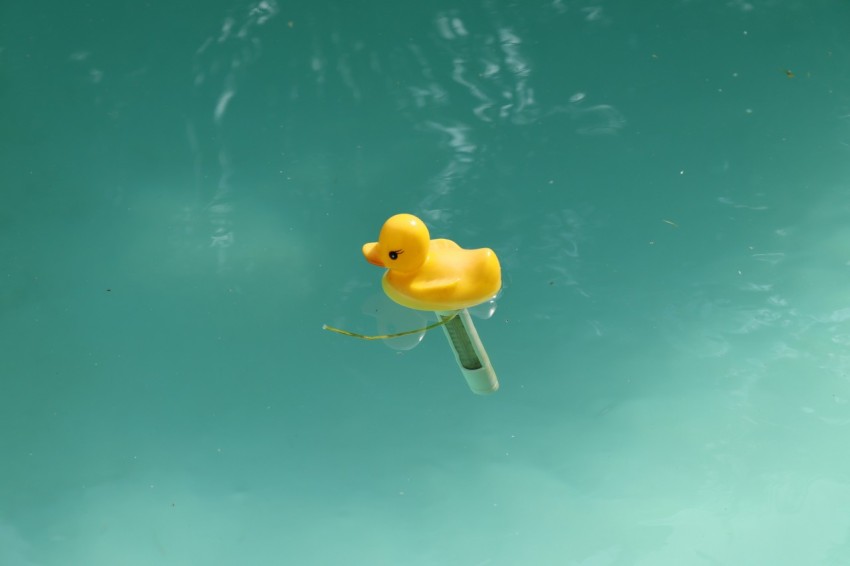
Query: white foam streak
{"type": "Point", "coordinates": [221, 105]}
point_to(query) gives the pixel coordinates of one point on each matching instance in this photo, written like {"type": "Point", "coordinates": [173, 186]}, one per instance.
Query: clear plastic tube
{"type": "Point", "coordinates": [470, 354]}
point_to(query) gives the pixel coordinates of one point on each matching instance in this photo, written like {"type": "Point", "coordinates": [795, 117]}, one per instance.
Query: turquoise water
{"type": "Point", "coordinates": [186, 188]}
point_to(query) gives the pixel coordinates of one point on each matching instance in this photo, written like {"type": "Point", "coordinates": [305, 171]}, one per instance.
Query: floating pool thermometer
{"type": "Point", "coordinates": [440, 276]}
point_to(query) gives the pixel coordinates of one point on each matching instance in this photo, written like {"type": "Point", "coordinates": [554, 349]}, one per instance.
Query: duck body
{"type": "Point", "coordinates": [435, 275]}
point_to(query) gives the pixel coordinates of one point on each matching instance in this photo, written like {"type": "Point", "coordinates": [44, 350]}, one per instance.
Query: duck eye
{"type": "Point", "coordinates": [394, 254]}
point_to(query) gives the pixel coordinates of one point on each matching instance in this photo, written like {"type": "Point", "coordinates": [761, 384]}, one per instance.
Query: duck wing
{"type": "Point", "coordinates": [441, 285]}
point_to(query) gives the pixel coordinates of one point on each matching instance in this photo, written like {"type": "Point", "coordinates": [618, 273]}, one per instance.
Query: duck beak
{"type": "Point", "coordinates": [372, 254]}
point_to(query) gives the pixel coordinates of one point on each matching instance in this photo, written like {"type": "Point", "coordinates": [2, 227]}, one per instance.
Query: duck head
{"type": "Point", "coordinates": [402, 245]}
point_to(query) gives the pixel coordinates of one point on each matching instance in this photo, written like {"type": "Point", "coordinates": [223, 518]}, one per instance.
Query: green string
{"type": "Point", "coordinates": [385, 336]}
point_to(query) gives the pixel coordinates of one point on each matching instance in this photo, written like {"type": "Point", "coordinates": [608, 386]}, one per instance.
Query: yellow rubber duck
{"type": "Point", "coordinates": [434, 275]}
